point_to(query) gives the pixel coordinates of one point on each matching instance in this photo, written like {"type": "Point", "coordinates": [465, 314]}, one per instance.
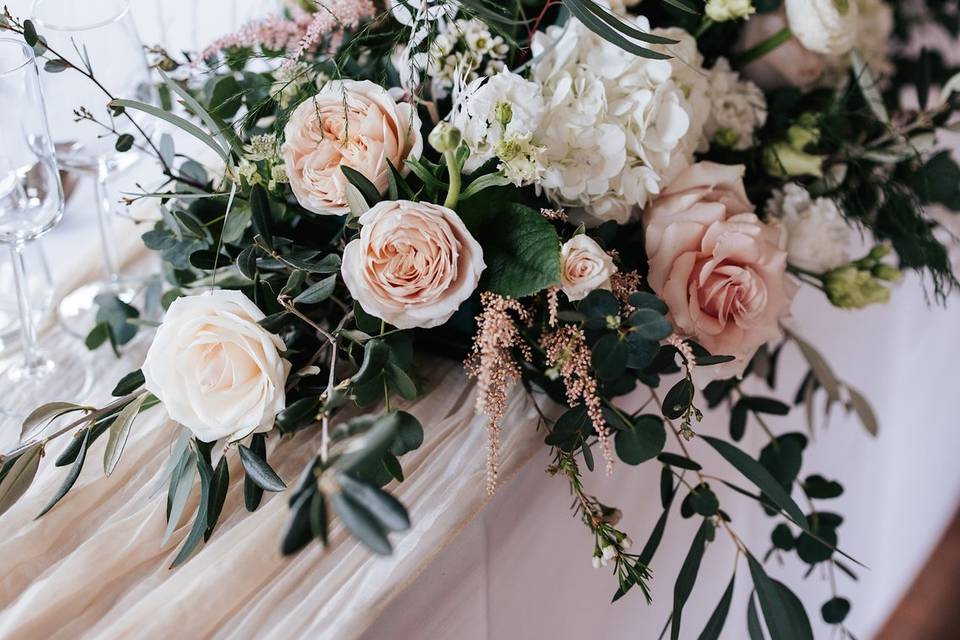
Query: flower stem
{"type": "Point", "coordinates": [763, 48]}
{"type": "Point", "coordinates": [453, 192]}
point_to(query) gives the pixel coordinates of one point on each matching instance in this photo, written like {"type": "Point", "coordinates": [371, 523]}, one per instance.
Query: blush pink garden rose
{"type": "Point", "coordinates": [720, 269]}
{"type": "Point", "coordinates": [352, 123]}
{"type": "Point", "coordinates": [413, 264]}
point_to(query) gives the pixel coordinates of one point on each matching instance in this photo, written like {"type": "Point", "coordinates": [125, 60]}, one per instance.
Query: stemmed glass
{"type": "Point", "coordinates": [31, 203]}
{"type": "Point", "coordinates": [101, 34]}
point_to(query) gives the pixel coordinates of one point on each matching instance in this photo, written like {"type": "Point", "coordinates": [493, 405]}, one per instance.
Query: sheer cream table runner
{"type": "Point", "coordinates": [94, 565]}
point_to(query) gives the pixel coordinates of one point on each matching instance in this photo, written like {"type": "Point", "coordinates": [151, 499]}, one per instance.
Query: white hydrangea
{"type": "Point", "coordinates": [489, 110]}
{"type": "Point", "coordinates": [521, 159]}
{"type": "Point", "coordinates": [818, 237]}
{"type": "Point", "coordinates": [737, 108]}
{"type": "Point", "coordinates": [617, 123]}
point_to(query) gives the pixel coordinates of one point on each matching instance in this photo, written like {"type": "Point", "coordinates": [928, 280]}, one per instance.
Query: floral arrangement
{"type": "Point", "coordinates": [577, 199]}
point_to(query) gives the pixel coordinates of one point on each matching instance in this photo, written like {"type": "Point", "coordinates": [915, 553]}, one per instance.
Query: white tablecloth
{"type": "Point", "coordinates": [522, 567]}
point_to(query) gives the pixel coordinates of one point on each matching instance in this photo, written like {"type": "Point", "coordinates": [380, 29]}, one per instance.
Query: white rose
{"type": "Point", "coordinates": [584, 267]}
{"type": "Point", "coordinates": [216, 370]}
{"type": "Point", "coordinates": [349, 123]}
{"type": "Point", "coordinates": [818, 238]}
{"type": "Point", "coordinates": [413, 264]}
{"type": "Point", "coordinates": [824, 26]}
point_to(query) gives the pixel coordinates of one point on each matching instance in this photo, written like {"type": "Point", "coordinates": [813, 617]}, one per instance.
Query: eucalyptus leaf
{"type": "Point", "coordinates": [318, 291]}
{"type": "Point", "coordinates": [41, 417]}
{"type": "Point", "coordinates": [261, 473]}
{"type": "Point", "coordinates": [120, 432]}
{"type": "Point", "coordinates": [361, 523]}
{"type": "Point", "coordinates": [688, 576]}
{"type": "Point", "coordinates": [72, 475]}
{"type": "Point", "coordinates": [199, 528]}
{"type": "Point", "coordinates": [384, 507]}
{"type": "Point", "coordinates": [181, 484]}
{"type": "Point", "coordinates": [19, 477]}
{"type": "Point", "coordinates": [719, 616]}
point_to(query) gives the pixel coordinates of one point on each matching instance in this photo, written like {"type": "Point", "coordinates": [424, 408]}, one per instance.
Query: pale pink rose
{"type": "Point", "coordinates": [413, 264]}
{"type": "Point", "coordinates": [584, 266]}
{"type": "Point", "coordinates": [790, 64]}
{"type": "Point", "coordinates": [352, 123]}
{"type": "Point", "coordinates": [719, 268]}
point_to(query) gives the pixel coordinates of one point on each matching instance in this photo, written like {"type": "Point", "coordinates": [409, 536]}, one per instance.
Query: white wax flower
{"type": "Point", "coordinates": [824, 26]}
{"type": "Point", "coordinates": [584, 267]}
{"type": "Point", "coordinates": [737, 108]}
{"type": "Point", "coordinates": [215, 369]}
{"type": "Point", "coordinates": [818, 237]}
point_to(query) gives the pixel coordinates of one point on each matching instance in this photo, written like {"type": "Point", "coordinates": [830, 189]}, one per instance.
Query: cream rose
{"type": "Point", "coordinates": [789, 64]}
{"type": "Point", "coordinates": [584, 266]}
{"type": "Point", "coordinates": [349, 123]}
{"type": "Point", "coordinates": [413, 264]}
{"type": "Point", "coordinates": [719, 268]}
{"type": "Point", "coordinates": [824, 26]}
{"type": "Point", "coordinates": [217, 371]}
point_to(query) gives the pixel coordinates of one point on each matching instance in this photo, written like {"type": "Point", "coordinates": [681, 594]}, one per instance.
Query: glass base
{"type": "Point", "coordinates": [77, 310]}
{"type": "Point", "coordinates": [67, 379]}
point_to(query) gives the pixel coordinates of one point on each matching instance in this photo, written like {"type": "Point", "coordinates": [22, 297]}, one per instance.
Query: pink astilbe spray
{"type": "Point", "coordinates": [567, 350]}
{"type": "Point", "coordinates": [492, 363]}
{"type": "Point", "coordinates": [302, 32]}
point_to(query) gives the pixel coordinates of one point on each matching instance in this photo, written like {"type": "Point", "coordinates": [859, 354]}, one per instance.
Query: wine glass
{"type": "Point", "coordinates": [100, 34]}
{"type": "Point", "coordinates": [31, 203]}
{"type": "Point", "coordinates": [39, 286]}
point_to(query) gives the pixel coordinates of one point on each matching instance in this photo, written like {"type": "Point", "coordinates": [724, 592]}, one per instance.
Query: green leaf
{"type": "Point", "coordinates": [384, 507]}
{"type": "Point", "coordinates": [299, 532]}
{"type": "Point", "coordinates": [688, 576]}
{"type": "Point", "coordinates": [30, 33]}
{"type": "Point", "coordinates": [869, 87]}
{"type": "Point", "coordinates": [683, 5]}
{"type": "Point", "coordinates": [226, 97]}
{"type": "Point", "coordinates": [779, 606]}
{"type": "Point", "coordinates": [252, 493]}
{"type": "Point", "coordinates": [678, 399]}
{"type": "Point", "coordinates": [819, 488]}
{"type": "Point", "coordinates": [19, 477]}
{"type": "Point", "coordinates": [644, 300]}
{"type": "Point", "coordinates": [703, 501]}
{"type": "Point", "coordinates": [261, 473]}
{"type": "Point", "coordinates": [753, 620]}
{"type": "Point", "coordinates": [640, 351]}
{"type": "Point", "coordinates": [367, 189]}
{"type": "Point", "coordinates": [318, 292]}
{"type": "Point", "coordinates": [402, 382]}
{"type": "Point", "coordinates": [260, 213]}
{"type": "Point", "coordinates": [608, 33]}
{"type": "Point", "coordinates": [484, 182]}
{"type": "Point", "coordinates": [719, 615]}
{"type": "Point", "coordinates": [120, 432]}
{"type": "Point", "coordinates": [219, 485]}
{"type": "Point", "coordinates": [609, 357]}
{"type": "Point", "coordinates": [835, 610]}
{"type": "Point", "coordinates": [72, 475]}
{"type": "Point", "coordinates": [678, 461]}
{"type": "Point", "coordinates": [216, 128]}
{"type": "Point", "coordinates": [128, 384]}
{"type": "Point", "coordinates": [318, 517]}
{"type": "Point", "coordinates": [247, 262]}
{"type": "Point", "coordinates": [361, 523]}
{"type": "Point", "coordinates": [625, 27]}
{"type": "Point", "coordinates": [298, 414]}
{"type": "Point", "coordinates": [864, 411]}
{"type": "Point", "coordinates": [124, 142]}
{"type": "Point", "coordinates": [520, 247]}
{"type": "Point", "coordinates": [409, 434]}
{"type": "Point", "coordinates": [642, 441]}
{"type": "Point", "coordinates": [41, 417]}
{"type": "Point", "coordinates": [199, 527]}
{"type": "Point", "coordinates": [376, 354]}
{"type": "Point", "coordinates": [754, 471]}
{"type": "Point", "coordinates": [650, 324]}
{"type": "Point", "coordinates": [176, 121]}
{"type": "Point", "coordinates": [181, 484]}
{"type": "Point", "coordinates": [766, 405]}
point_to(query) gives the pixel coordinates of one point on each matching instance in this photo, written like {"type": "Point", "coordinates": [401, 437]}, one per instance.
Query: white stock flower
{"type": "Point", "coordinates": [491, 110]}
{"type": "Point", "coordinates": [737, 108]}
{"type": "Point", "coordinates": [584, 267]}
{"type": "Point", "coordinates": [724, 10]}
{"type": "Point", "coordinates": [215, 369]}
{"type": "Point", "coordinates": [616, 123]}
{"type": "Point", "coordinates": [818, 238]}
{"type": "Point", "coordinates": [824, 26]}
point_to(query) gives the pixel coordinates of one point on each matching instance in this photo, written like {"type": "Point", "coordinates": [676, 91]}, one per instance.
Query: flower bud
{"type": "Point", "coordinates": [608, 552]}
{"type": "Point", "coordinates": [782, 160]}
{"type": "Point", "coordinates": [726, 138]}
{"type": "Point", "coordinates": [851, 288]}
{"type": "Point", "coordinates": [596, 562]}
{"type": "Point", "coordinates": [444, 137]}
{"type": "Point", "coordinates": [503, 113]}
{"type": "Point", "coordinates": [723, 10]}
{"type": "Point", "coordinates": [887, 272]}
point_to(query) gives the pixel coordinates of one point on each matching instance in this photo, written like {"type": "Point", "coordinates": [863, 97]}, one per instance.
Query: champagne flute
{"type": "Point", "coordinates": [31, 203]}
{"type": "Point", "coordinates": [99, 34]}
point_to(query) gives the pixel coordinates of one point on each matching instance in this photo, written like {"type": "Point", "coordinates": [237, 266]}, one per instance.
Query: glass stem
{"type": "Point", "coordinates": [105, 224]}
{"type": "Point", "coordinates": [32, 357]}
